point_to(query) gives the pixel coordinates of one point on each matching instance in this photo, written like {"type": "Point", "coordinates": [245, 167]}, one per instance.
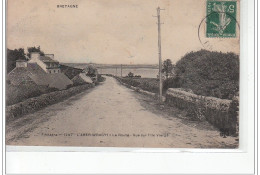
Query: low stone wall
{"type": "Point", "coordinates": [221, 113]}
{"type": "Point", "coordinates": [37, 103]}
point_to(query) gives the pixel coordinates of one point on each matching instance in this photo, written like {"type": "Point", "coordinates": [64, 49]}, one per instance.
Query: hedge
{"type": "Point", "coordinates": [221, 113]}
{"type": "Point", "coordinates": [37, 103]}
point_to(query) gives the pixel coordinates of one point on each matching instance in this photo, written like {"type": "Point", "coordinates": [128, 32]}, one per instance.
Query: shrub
{"type": "Point", "coordinates": [70, 72]}
{"type": "Point", "coordinates": [100, 78]}
{"type": "Point", "coordinates": [197, 111]}
{"type": "Point", "coordinates": [130, 81]}
{"type": "Point", "coordinates": [34, 104]}
{"type": "Point", "coordinates": [208, 73]}
{"type": "Point", "coordinates": [172, 82]}
{"type": "Point", "coordinates": [148, 84]}
{"type": "Point", "coordinates": [130, 74]}
{"type": "Point", "coordinates": [15, 94]}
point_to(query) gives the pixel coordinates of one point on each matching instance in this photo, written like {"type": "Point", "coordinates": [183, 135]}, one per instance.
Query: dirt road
{"type": "Point", "coordinates": [112, 115]}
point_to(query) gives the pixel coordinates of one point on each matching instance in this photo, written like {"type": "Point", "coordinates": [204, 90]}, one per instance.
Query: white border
{"type": "Point", "coordinates": [140, 160]}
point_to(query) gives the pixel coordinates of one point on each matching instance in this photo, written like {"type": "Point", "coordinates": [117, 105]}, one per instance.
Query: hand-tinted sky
{"type": "Point", "coordinates": [110, 31]}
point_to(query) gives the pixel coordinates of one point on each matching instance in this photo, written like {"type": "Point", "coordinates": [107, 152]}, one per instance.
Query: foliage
{"type": "Point", "coordinates": [197, 111]}
{"type": "Point", "coordinates": [130, 74]}
{"type": "Point", "coordinates": [91, 71]}
{"type": "Point", "coordinates": [70, 72]}
{"type": "Point", "coordinates": [12, 56]}
{"type": "Point", "coordinates": [208, 73]}
{"type": "Point", "coordinates": [100, 78]}
{"type": "Point", "coordinates": [15, 94]}
{"type": "Point", "coordinates": [34, 49]}
{"type": "Point", "coordinates": [172, 82]}
{"type": "Point", "coordinates": [19, 54]}
{"type": "Point", "coordinates": [148, 84]}
{"type": "Point", "coordinates": [33, 104]}
{"type": "Point", "coordinates": [167, 67]}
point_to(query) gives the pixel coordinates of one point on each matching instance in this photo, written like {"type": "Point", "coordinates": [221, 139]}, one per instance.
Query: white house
{"type": "Point", "coordinates": [47, 62]}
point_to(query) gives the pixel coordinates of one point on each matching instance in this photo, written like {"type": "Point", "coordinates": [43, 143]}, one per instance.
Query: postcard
{"type": "Point", "coordinates": [123, 73]}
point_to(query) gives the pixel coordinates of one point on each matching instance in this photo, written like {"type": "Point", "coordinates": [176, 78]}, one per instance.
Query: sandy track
{"type": "Point", "coordinates": [112, 115]}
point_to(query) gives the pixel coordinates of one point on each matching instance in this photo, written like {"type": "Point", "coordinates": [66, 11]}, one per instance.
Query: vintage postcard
{"type": "Point", "coordinates": [123, 73]}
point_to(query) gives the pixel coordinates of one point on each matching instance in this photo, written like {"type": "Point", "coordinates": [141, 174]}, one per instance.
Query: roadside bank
{"type": "Point", "coordinates": [36, 103]}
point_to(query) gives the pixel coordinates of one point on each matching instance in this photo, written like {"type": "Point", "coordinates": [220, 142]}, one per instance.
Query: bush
{"type": "Point", "coordinates": [130, 74]}
{"type": "Point", "coordinates": [70, 72]}
{"type": "Point", "coordinates": [131, 82]}
{"type": "Point", "coordinates": [197, 111]}
{"type": "Point", "coordinates": [208, 73]}
{"type": "Point", "coordinates": [15, 94]}
{"type": "Point", "coordinates": [100, 78]}
{"type": "Point", "coordinates": [172, 82]}
{"type": "Point", "coordinates": [37, 103]}
{"type": "Point", "coordinates": [147, 84]}
{"type": "Point", "coordinates": [75, 84]}
{"type": "Point", "coordinates": [221, 113]}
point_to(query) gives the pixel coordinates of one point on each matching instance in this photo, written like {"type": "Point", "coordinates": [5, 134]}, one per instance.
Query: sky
{"type": "Point", "coordinates": [112, 31]}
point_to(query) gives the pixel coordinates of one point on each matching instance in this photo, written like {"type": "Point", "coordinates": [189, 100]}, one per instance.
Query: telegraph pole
{"type": "Point", "coordinates": [121, 70]}
{"type": "Point", "coordinates": [159, 52]}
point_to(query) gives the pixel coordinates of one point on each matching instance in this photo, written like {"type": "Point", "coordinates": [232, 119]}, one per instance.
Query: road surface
{"type": "Point", "coordinates": [111, 115]}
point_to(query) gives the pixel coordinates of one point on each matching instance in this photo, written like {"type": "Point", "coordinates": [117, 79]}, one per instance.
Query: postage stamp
{"type": "Point", "coordinates": [221, 18]}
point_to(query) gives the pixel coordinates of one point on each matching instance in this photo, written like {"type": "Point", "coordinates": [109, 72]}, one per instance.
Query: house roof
{"type": "Point", "coordinates": [19, 75]}
{"type": "Point", "coordinates": [59, 80]}
{"type": "Point", "coordinates": [82, 78]}
{"type": "Point", "coordinates": [33, 72]}
{"type": "Point", "coordinates": [87, 79]}
{"type": "Point", "coordinates": [34, 68]}
{"type": "Point", "coordinates": [47, 59]}
{"type": "Point", "coordinates": [20, 60]}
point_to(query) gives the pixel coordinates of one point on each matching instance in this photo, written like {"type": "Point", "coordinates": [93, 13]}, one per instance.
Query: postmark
{"type": "Point", "coordinates": [221, 18]}
{"type": "Point", "coordinates": [225, 37]}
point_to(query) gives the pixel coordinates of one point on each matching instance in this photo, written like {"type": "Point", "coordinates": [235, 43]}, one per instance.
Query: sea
{"type": "Point", "coordinates": [143, 72]}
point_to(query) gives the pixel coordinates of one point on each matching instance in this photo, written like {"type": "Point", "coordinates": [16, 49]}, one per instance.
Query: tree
{"type": "Point", "coordinates": [91, 70]}
{"type": "Point", "coordinates": [209, 73]}
{"type": "Point", "coordinates": [167, 67]}
{"type": "Point", "coordinates": [34, 49]}
{"type": "Point", "coordinates": [130, 74]}
{"type": "Point", "coordinates": [12, 56]}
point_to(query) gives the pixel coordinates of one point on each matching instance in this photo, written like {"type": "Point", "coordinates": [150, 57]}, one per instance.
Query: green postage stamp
{"type": "Point", "coordinates": [221, 19]}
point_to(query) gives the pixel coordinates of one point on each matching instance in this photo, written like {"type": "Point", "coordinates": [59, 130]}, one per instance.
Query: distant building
{"type": "Point", "coordinates": [82, 78]}
{"type": "Point", "coordinates": [46, 62]}
{"type": "Point", "coordinates": [41, 70]}
{"type": "Point", "coordinates": [69, 71]}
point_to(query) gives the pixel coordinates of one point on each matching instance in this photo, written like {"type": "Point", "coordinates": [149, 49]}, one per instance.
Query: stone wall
{"type": "Point", "coordinates": [37, 103]}
{"type": "Point", "coordinates": [221, 113]}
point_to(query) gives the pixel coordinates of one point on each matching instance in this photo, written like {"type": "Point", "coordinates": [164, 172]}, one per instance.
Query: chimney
{"type": "Point", "coordinates": [50, 55]}
{"type": "Point", "coordinates": [21, 63]}
{"type": "Point", "coordinates": [35, 55]}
